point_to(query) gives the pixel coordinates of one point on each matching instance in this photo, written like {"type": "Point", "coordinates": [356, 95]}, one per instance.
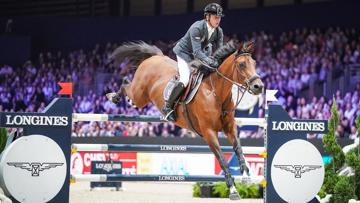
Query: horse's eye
{"type": "Point", "coordinates": [242, 65]}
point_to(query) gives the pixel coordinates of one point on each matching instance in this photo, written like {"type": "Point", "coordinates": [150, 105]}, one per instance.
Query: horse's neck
{"type": "Point", "coordinates": [221, 85]}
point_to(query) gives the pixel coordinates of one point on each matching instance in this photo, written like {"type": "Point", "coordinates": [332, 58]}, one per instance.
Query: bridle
{"type": "Point", "coordinates": [241, 87]}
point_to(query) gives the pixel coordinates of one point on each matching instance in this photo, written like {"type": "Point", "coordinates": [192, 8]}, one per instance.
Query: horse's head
{"type": "Point", "coordinates": [240, 66]}
{"type": "Point", "coordinates": [246, 68]}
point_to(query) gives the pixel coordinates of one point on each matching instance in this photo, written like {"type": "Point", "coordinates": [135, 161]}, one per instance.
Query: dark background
{"type": "Point", "coordinates": [47, 29]}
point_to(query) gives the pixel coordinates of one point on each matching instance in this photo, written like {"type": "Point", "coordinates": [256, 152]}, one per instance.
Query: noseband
{"type": "Point", "coordinates": [249, 81]}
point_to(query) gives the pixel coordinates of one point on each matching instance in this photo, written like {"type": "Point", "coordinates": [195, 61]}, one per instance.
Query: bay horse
{"type": "Point", "coordinates": [212, 108]}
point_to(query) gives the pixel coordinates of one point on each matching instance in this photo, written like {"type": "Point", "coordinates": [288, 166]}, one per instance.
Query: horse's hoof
{"type": "Point", "coordinates": [125, 81]}
{"type": "Point", "coordinates": [234, 196]}
{"type": "Point", "coordinates": [112, 97]}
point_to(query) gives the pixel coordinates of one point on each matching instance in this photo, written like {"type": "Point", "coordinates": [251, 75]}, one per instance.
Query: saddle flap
{"type": "Point", "coordinates": [196, 77]}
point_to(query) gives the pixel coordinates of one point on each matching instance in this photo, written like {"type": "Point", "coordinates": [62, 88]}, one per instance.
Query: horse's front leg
{"type": "Point", "coordinates": [230, 130]}
{"type": "Point", "coordinates": [211, 138]}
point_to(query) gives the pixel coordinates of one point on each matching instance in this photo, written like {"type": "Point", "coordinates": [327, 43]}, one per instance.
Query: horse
{"type": "Point", "coordinates": [212, 108]}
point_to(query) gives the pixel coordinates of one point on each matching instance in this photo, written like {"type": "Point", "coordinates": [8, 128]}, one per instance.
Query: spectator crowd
{"type": "Point", "coordinates": [292, 63]}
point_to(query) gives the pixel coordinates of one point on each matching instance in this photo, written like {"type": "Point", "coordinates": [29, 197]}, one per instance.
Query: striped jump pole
{"type": "Point", "coordinates": [160, 178]}
{"type": "Point", "coordinates": [261, 122]}
{"type": "Point", "coordinates": [157, 148]}
{"type": "Point", "coordinates": [115, 117]}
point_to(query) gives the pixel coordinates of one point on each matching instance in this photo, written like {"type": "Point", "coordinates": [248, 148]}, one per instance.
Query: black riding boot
{"type": "Point", "coordinates": [168, 109]}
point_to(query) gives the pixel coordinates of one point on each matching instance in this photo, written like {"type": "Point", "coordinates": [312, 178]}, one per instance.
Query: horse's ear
{"type": "Point", "coordinates": [240, 47]}
{"type": "Point", "coordinates": [250, 46]}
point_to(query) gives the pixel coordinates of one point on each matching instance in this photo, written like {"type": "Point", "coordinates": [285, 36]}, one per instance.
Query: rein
{"type": "Point", "coordinates": [241, 88]}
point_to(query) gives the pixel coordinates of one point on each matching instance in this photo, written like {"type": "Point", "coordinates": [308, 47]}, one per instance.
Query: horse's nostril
{"type": "Point", "coordinates": [257, 87]}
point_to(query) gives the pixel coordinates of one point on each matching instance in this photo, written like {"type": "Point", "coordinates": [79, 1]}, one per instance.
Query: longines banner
{"type": "Point", "coordinates": [34, 167]}
{"type": "Point", "coordinates": [16, 120]}
{"type": "Point", "coordinates": [35, 163]}
{"type": "Point", "coordinates": [295, 170]}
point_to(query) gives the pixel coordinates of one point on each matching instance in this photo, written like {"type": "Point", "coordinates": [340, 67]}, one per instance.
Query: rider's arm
{"type": "Point", "coordinates": [195, 37]}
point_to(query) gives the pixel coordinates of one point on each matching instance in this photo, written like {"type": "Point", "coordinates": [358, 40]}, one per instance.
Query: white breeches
{"type": "Point", "coordinates": [184, 71]}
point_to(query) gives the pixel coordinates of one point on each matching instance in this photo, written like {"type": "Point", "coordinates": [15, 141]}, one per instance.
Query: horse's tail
{"type": "Point", "coordinates": [134, 52]}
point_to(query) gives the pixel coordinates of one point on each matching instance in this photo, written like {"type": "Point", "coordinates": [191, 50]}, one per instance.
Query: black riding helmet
{"type": "Point", "coordinates": [213, 9]}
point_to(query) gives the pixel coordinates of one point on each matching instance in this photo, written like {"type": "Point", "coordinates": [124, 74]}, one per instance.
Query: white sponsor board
{"type": "Point", "coordinates": [175, 164]}
{"type": "Point", "coordinates": [297, 171]}
{"type": "Point", "coordinates": [33, 169]}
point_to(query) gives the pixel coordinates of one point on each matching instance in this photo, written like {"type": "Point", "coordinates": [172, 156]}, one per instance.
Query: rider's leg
{"type": "Point", "coordinates": [184, 72]}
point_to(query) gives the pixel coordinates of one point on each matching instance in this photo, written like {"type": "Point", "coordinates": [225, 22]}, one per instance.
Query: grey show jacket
{"type": "Point", "coordinates": [195, 44]}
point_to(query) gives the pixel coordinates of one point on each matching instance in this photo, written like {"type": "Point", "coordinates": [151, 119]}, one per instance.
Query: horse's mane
{"type": "Point", "coordinates": [229, 48]}
{"type": "Point", "coordinates": [225, 51]}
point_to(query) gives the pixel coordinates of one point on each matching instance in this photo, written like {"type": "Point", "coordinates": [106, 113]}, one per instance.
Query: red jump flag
{"type": "Point", "coordinates": [66, 88]}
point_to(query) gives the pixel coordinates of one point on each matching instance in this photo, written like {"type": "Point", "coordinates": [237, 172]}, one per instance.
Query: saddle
{"type": "Point", "coordinates": [197, 74]}
{"type": "Point", "coordinates": [195, 80]}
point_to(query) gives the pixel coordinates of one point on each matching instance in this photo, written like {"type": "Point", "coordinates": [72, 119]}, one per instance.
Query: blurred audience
{"type": "Point", "coordinates": [291, 63]}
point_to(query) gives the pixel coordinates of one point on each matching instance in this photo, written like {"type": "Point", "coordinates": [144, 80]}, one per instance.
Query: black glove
{"type": "Point", "coordinates": [208, 66]}
{"type": "Point", "coordinates": [196, 64]}
{"type": "Point", "coordinates": [214, 63]}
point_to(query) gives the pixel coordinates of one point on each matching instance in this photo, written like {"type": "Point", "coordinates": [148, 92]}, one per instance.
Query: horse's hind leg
{"type": "Point", "coordinates": [115, 97]}
{"type": "Point", "coordinates": [213, 142]}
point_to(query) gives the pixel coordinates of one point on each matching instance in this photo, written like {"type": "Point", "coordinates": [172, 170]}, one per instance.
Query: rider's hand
{"type": "Point", "coordinates": [214, 63]}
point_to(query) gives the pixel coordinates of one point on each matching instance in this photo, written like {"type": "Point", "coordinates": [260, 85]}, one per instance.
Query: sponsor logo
{"type": "Point", "coordinates": [76, 162]}
{"type": "Point", "coordinates": [107, 166]}
{"type": "Point", "coordinates": [172, 148]}
{"type": "Point", "coordinates": [81, 161]}
{"type": "Point", "coordinates": [298, 126]}
{"type": "Point", "coordinates": [36, 120]}
{"type": "Point", "coordinates": [297, 170]}
{"type": "Point", "coordinates": [34, 168]}
{"type": "Point", "coordinates": [172, 178]}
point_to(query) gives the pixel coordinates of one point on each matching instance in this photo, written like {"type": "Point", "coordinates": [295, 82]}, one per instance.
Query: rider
{"type": "Point", "coordinates": [197, 43]}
